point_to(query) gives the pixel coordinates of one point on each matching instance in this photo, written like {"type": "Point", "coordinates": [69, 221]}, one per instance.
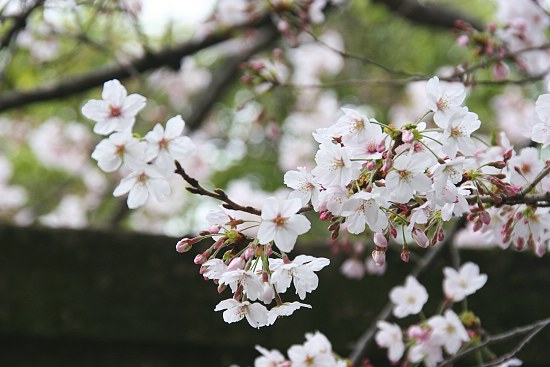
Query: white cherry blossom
{"type": "Point", "coordinates": [269, 358]}
{"type": "Point", "coordinates": [443, 99]}
{"type": "Point", "coordinates": [464, 282]}
{"type": "Point", "coordinates": [255, 313]}
{"type": "Point", "coordinates": [286, 309]}
{"type": "Point", "coordinates": [251, 283]}
{"type": "Point", "coordinates": [334, 166]}
{"type": "Point", "coordinates": [364, 208]}
{"type": "Point", "coordinates": [144, 179]}
{"type": "Point", "coordinates": [450, 330]}
{"type": "Point", "coordinates": [408, 299]}
{"type": "Point", "coordinates": [408, 177]}
{"type": "Point", "coordinates": [116, 112]}
{"type": "Point", "coordinates": [118, 148]}
{"type": "Point", "coordinates": [167, 145]}
{"type": "Point", "coordinates": [304, 185]}
{"type": "Point", "coordinates": [300, 272]}
{"type": "Point", "coordinates": [390, 336]}
{"type": "Point", "coordinates": [281, 224]}
{"type": "Point", "coordinates": [456, 135]}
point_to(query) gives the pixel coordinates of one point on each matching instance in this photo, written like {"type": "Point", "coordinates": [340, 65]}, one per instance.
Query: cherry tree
{"type": "Point", "coordinates": [416, 174]}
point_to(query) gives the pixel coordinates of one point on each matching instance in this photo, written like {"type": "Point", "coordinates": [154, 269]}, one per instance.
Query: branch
{"type": "Point", "coordinates": [218, 194]}
{"type": "Point", "coordinates": [166, 57]}
{"type": "Point", "coordinates": [532, 329]}
{"type": "Point", "coordinates": [365, 339]}
{"type": "Point", "coordinates": [20, 22]}
{"type": "Point", "coordinates": [225, 75]}
{"type": "Point", "coordinates": [429, 14]}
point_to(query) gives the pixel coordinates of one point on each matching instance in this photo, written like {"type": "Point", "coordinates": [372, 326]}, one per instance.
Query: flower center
{"type": "Point", "coordinates": [405, 175]}
{"type": "Point", "coordinates": [442, 103]}
{"type": "Point", "coordinates": [457, 132]}
{"type": "Point", "coordinates": [337, 164]}
{"type": "Point", "coordinates": [280, 221]}
{"type": "Point", "coordinates": [115, 111]}
{"type": "Point", "coordinates": [163, 143]}
{"type": "Point", "coordinates": [358, 125]}
{"type": "Point", "coordinates": [120, 149]}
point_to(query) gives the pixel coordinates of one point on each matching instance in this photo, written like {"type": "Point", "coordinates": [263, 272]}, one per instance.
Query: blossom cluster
{"type": "Point", "coordinates": [316, 351]}
{"type": "Point", "coordinates": [408, 181]}
{"type": "Point", "coordinates": [257, 269]}
{"type": "Point", "coordinates": [445, 332]}
{"type": "Point", "coordinates": [150, 159]}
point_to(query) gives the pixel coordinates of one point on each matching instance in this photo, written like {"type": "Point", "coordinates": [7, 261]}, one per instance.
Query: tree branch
{"type": "Point", "coordinates": [532, 329]}
{"type": "Point", "coordinates": [429, 14]}
{"type": "Point", "coordinates": [149, 61]}
{"type": "Point", "coordinates": [218, 194]}
{"type": "Point", "coordinates": [225, 75]}
{"type": "Point", "coordinates": [19, 23]}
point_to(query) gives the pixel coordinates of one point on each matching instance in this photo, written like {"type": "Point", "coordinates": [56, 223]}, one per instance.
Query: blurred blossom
{"type": "Point", "coordinates": [512, 113]}
{"type": "Point", "coordinates": [181, 85]}
{"type": "Point", "coordinates": [414, 104]}
{"type": "Point", "coordinates": [297, 148]}
{"type": "Point", "coordinates": [311, 60]}
{"type": "Point", "coordinates": [525, 26]}
{"type": "Point", "coordinates": [63, 145]}
{"type": "Point", "coordinates": [70, 213]}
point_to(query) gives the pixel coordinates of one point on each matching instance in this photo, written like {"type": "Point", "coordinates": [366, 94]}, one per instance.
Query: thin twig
{"type": "Point", "coordinates": [538, 325]}
{"type": "Point", "coordinates": [218, 194]}
{"type": "Point", "coordinates": [527, 189]}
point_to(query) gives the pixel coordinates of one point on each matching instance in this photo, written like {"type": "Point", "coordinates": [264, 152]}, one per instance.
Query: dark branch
{"type": "Point", "coordinates": [429, 14]}
{"type": "Point", "coordinates": [218, 194]}
{"type": "Point", "coordinates": [167, 57]}
{"type": "Point", "coordinates": [226, 74]}
{"type": "Point", "coordinates": [19, 23]}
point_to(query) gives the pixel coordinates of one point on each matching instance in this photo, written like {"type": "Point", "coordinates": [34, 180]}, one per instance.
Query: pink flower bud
{"type": "Point", "coordinates": [214, 229]}
{"type": "Point", "coordinates": [407, 136]}
{"type": "Point", "coordinates": [485, 217]}
{"type": "Point", "coordinates": [200, 258]}
{"type": "Point", "coordinates": [393, 232]}
{"type": "Point", "coordinates": [282, 26]}
{"type": "Point", "coordinates": [405, 255]}
{"type": "Point", "coordinates": [380, 240]}
{"type": "Point", "coordinates": [463, 40]}
{"type": "Point", "coordinates": [500, 70]}
{"type": "Point", "coordinates": [491, 27]}
{"type": "Point", "coordinates": [236, 263]}
{"type": "Point", "coordinates": [440, 234]}
{"type": "Point", "coordinates": [379, 257]}
{"type": "Point", "coordinates": [477, 225]}
{"type": "Point", "coordinates": [421, 238]}
{"type": "Point", "coordinates": [183, 245]}
{"type": "Point", "coordinates": [540, 248]}
{"type": "Point", "coordinates": [268, 250]}
{"type": "Point", "coordinates": [222, 288]}
{"type": "Point", "coordinates": [248, 253]}
{"type": "Point", "coordinates": [325, 215]}
{"type": "Point", "coordinates": [371, 165]}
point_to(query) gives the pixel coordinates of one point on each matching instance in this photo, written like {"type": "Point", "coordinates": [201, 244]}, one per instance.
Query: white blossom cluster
{"type": "Point", "coordinates": [149, 159]}
{"type": "Point", "coordinates": [409, 180]}
{"type": "Point", "coordinates": [316, 351]}
{"type": "Point", "coordinates": [428, 341]}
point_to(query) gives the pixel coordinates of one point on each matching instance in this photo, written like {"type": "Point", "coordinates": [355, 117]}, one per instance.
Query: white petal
{"type": "Point", "coordinates": [138, 196]}
{"type": "Point", "coordinates": [114, 93]}
{"type": "Point", "coordinates": [174, 127]}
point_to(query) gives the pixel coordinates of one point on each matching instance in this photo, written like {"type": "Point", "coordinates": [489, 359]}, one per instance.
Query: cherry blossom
{"type": "Point", "coordinates": [456, 135]}
{"type": "Point", "coordinates": [464, 282]}
{"type": "Point", "coordinates": [408, 299]}
{"type": "Point", "coordinates": [300, 271]}
{"type": "Point", "coordinates": [255, 313]}
{"type": "Point", "coordinates": [305, 187]}
{"type": "Point", "coordinates": [443, 99]}
{"type": "Point", "coordinates": [390, 336]}
{"type": "Point", "coordinates": [119, 147]}
{"type": "Point", "coordinates": [281, 224]}
{"type": "Point", "coordinates": [269, 358]}
{"type": "Point", "coordinates": [144, 179]}
{"type": "Point", "coordinates": [167, 145]}
{"type": "Point", "coordinates": [116, 112]}
{"type": "Point", "coordinates": [408, 177]}
{"type": "Point", "coordinates": [334, 166]}
{"type": "Point", "coordinates": [449, 330]}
